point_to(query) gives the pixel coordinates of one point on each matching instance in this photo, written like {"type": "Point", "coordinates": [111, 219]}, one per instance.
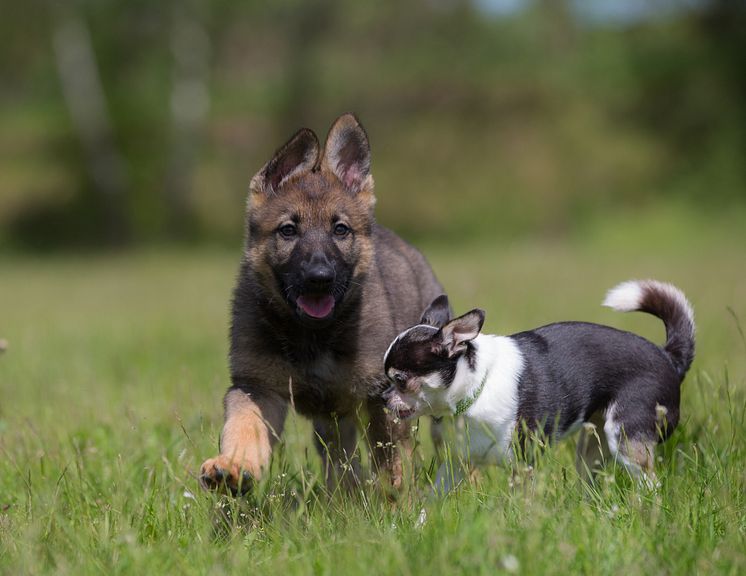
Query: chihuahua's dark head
{"type": "Point", "coordinates": [310, 221]}
{"type": "Point", "coordinates": [423, 361]}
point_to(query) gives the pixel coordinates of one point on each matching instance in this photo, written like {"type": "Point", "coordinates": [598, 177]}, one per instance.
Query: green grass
{"type": "Point", "coordinates": [110, 398]}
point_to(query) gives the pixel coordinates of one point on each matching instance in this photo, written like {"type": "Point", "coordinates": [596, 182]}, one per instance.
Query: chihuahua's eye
{"type": "Point", "coordinates": [400, 381]}
{"type": "Point", "coordinates": [341, 230]}
{"type": "Point", "coordinates": [288, 230]}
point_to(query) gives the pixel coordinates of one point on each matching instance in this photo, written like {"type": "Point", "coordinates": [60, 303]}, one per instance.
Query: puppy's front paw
{"type": "Point", "coordinates": [225, 475]}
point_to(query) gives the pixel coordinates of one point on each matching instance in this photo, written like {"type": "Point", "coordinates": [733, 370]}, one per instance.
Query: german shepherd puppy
{"type": "Point", "coordinates": [321, 291]}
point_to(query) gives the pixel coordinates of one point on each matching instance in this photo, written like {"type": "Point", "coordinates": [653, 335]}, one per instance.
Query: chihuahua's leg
{"type": "Point", "coordinates": [638, 457]}
{"type": "Point", "coordinates": [632, 447]}
{"type": "Point", "coordinates": [450, 475]}
{"type": "Point", "coordinates": [335, 441]}
{"type": "Point", "coordinates": [593, 448]}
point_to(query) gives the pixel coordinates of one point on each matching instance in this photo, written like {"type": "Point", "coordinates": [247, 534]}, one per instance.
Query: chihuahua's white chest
{"type": "Point", "coordinates": [491, 420]}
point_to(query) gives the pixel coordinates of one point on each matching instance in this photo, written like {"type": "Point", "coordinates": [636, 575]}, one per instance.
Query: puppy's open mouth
{"type": "Point", "coordinates": [317, 306]}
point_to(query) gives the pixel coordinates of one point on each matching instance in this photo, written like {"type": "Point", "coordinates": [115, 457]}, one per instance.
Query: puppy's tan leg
{"type": "Point", "coordinates": [593, 448]}
{"type": "Point", "coordinates": [387, 437]}
{"type": "Point", "coordinates": [335, 441]}
{"type": "Point", "coordinates": [252, 426]}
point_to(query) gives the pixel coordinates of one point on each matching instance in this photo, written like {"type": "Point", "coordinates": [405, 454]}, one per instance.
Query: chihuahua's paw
{"type": "Point", "coordinates": [222, 474]}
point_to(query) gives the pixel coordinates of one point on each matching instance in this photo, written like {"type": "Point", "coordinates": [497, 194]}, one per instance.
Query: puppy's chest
{"type": "Point", "coordinates": [326, 383]}
{"type": "Point", "coordinates": [324, 367]}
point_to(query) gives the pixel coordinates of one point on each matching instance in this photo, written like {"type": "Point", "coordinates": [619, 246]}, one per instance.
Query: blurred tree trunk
{"type": "Point", "coordinates": [86, 102]}
{"type": "Point", "coordinates": [190, 101]}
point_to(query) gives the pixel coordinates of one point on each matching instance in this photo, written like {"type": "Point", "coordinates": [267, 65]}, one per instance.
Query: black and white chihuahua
{"type": "Point", "coordinates": [550, 380]}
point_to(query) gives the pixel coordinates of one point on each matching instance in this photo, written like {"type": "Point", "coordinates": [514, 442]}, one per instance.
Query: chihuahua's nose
{"type": "Point", "coordinates": [319, 272]}
{"type": "Point", "coordinates": [387, 393]}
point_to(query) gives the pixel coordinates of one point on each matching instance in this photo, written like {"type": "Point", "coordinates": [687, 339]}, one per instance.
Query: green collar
{"type": "Point", "coordinates": [465, 403]}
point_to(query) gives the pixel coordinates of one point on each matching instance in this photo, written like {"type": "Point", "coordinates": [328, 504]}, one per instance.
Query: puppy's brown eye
{"type": "Point", "coordinates": [288, 230]}
{"type": "Point", "coordinates": [341, 230]}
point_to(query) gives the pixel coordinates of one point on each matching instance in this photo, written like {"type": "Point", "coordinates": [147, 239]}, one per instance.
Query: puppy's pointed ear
{"type": "Point", "coordinates": [298, 155]}
{"type": "Point", "coordinates": [438, 313]}
{"type": "Point", "coordinates": [347, 155]}
{"type": "Point", "coordinates": [461, 330]}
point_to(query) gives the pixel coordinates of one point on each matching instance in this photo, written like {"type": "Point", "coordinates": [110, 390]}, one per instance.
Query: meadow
{"type": "Point", "coordinates": [110, 398]}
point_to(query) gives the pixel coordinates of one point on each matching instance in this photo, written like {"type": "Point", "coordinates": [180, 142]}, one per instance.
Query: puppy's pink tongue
{"type": "Point", "coordinates": [316, 306]}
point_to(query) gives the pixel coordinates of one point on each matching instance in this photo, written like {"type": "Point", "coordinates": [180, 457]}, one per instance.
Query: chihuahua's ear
{"type": "Point", "coordinates": [347, 155]}
{"type": "Point", "coordinates": [438, 313]}
{"type": "Point", "coordinates": [459, 331]}
{"type": "Point", "coordinates": [299, 154]}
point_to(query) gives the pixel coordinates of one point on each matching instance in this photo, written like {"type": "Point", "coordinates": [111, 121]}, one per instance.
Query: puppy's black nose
{"type": "Point", "coordinates": [318, 273]}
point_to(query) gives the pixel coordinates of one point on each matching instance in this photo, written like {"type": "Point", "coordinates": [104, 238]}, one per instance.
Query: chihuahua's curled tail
{"type": "Point", "coordinates": [667, 303]}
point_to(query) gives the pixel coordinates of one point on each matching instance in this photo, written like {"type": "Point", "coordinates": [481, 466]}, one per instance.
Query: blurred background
{"type": "Point", "coordinates": [135, 123]}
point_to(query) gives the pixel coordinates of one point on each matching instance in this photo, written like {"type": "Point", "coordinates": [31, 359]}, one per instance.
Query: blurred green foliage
{"type": "Point", "coordinates": [537, 122]}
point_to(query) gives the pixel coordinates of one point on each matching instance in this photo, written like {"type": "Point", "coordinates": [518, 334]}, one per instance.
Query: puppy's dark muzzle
{"type": "Point", "coordinates": [318, 274]}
